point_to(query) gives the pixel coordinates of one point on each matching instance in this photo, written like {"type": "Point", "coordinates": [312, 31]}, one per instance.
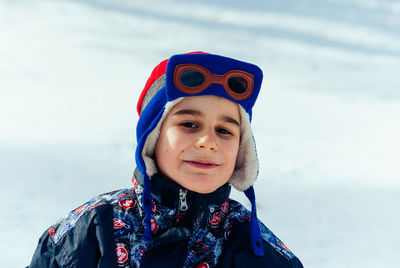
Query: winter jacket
{"type": "Point", "coordinates": [189, 230]}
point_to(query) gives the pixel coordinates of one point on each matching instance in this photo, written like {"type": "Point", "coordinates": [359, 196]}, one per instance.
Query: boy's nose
{"type": "Point", "coordinates": [207, 142]}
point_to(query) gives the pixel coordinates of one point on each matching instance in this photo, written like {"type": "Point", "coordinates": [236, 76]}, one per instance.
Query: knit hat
{"type": "Point", "coordinates": [195, 74]}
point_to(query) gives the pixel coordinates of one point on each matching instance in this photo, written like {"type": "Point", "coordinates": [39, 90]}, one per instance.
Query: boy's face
{"type": "Point", "coordinates": [199, 142]}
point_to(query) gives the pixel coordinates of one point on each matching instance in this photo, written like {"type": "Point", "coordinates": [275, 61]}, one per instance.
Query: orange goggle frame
{"type": "Point", "coordinates": [193, 79]}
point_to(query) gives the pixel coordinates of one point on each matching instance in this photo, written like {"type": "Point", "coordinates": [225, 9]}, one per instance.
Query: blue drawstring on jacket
{"type": "Point", "coordinates": [147, 204]}
{"type": "Point", "coordinates": [255, 235]}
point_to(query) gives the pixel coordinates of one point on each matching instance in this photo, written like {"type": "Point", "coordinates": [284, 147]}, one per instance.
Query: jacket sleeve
{"type": "Point", "coordinates": [243, 257]}
{"type": "Point", "coordinates": [86, 242]}
{"type": "Point", "coordinates": [238, 252]}
{"type": "Point", "coordinates": [45, 253]}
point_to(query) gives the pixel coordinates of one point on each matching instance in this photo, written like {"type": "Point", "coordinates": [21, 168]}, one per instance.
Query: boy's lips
{"type": "Point", "coordinates": [204, 164]}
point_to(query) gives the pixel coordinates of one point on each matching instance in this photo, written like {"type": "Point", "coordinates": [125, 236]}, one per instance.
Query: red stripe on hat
{"type": "Point", "coordinates": [158, 71]}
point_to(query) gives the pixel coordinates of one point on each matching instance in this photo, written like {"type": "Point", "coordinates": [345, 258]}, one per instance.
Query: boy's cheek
{"type": "Point", "coordinates": [174, 135]}
{"type": "Point", "coordinates": [231, 148]}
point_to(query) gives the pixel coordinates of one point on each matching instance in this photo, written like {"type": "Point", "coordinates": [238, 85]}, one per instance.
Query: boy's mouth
{"type": "Point", "coordinates": [201, 164]}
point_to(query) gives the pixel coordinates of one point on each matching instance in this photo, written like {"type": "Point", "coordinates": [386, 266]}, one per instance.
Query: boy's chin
{"type": "Point", "coordinates": [199, 182]}
{"type": "Point", "coordinates": [201, 190]}
{"type": "Point", "coordinates": [201, 185]}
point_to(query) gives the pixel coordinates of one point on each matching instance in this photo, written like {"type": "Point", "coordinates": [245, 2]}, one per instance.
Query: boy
{"type": "Point", "coordinates": [194, 142]}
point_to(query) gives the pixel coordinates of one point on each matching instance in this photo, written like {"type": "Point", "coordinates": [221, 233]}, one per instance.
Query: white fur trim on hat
{"type": "Point", "coordinates": [246, 169]}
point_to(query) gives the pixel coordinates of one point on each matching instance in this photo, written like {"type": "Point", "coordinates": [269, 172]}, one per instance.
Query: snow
{"type": "Point", "coordinates": [326, 123]}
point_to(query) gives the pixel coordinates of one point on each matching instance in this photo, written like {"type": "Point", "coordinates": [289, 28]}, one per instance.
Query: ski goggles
{"type": "Point", "coordinates": [193, 79]}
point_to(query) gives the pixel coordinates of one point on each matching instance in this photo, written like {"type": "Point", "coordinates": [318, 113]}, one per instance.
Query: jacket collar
{"type": "Point", "coordinates": [170, 193]}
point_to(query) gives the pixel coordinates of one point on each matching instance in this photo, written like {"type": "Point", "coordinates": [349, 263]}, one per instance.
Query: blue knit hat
{"type": "Point", "coordinates": [196, 74]}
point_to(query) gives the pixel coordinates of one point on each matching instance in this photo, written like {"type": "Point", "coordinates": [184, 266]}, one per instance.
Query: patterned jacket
{"type": "Point", "coordinates": [189, 230]}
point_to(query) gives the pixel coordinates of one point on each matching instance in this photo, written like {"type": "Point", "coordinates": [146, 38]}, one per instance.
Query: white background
{"type": "Point", "coordinates": [326, 122]}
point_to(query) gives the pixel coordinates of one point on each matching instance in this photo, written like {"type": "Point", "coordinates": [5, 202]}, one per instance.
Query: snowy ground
{"type": "Point", "coordinates": [326, 124]}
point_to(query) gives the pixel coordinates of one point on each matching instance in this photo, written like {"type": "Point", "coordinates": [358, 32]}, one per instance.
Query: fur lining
{"type": "Point", "coordinates": [246, 170]}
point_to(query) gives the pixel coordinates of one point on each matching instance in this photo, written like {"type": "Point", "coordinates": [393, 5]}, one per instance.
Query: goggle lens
{"type": "Point", "coordinates": [191, 78]}
{"type": "Point", "coordinates": [238, 84]}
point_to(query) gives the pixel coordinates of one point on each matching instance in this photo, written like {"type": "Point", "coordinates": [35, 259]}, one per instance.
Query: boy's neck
{"type": "Point", "coordinates": [169, 191]}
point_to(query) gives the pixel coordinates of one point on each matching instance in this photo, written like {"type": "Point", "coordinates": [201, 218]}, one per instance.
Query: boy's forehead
{"type": "Point", "coordinates": [207, 105]}
{"type": "Point", "coordinates": [206, 100]}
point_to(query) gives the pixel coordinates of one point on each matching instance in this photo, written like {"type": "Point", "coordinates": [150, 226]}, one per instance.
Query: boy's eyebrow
{"type": "Point", "coordinates": [229, 119]}
{"type": "Point", "coordinates": [225, 118]}
{"type": "Point", "coordinates": [188, 111]}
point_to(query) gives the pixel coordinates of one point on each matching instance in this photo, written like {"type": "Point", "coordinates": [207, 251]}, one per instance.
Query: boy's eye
{"type": "Point", "coordinates": [189, 125]}
{"type": "Point", "coordinates": [224, 131]}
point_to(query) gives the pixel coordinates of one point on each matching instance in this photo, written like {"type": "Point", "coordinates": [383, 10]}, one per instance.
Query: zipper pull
{"type": "Point", "coordinates": [182, 200]}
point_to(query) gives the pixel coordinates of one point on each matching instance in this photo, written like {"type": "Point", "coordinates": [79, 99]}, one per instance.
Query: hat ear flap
{"type": "Point", "coordinates": [246, 169]}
